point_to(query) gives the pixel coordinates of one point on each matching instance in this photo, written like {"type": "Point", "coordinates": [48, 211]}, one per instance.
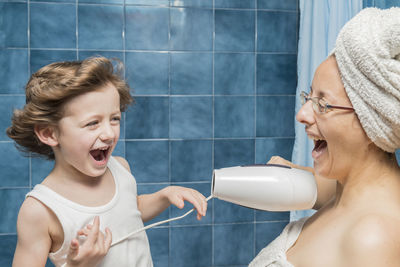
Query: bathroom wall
{"type": "Point", "coordinates": [214, 83]}
{"type": "Point", "coordinates": [381, 3]}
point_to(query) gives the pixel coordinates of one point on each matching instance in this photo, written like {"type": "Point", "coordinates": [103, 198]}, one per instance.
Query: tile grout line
{"type": "Point", "coordinates": [169, 126]}
{"type": "Point", "coordinates": [124, 64]}
{"type": "Point", "coordinates": [213, 136]}
{"type": "Point", "coordinates": [29, 73]}
{"type": "Point", "coordinates": [255, 110]}
{"type": "Point", "coordinates": [77, 29]}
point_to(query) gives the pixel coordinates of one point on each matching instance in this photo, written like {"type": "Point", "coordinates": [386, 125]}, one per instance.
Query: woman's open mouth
{"type": "Point", "coordinates": [320, 147]}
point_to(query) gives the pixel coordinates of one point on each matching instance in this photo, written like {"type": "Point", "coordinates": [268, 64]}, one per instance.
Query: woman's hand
{"type": "Point", "coordinates": [282, 161]}
{"type": "Point", "coordinates": [93, 249]}
{"type": "Point", "coordinates": [177, 195]}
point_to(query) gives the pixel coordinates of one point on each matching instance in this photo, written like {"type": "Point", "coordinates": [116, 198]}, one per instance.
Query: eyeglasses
{"type": "Point", "coordinates": [319, 104]}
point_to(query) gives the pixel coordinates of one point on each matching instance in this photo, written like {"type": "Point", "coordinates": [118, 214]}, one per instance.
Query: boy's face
{"type": "Point", "coordinates": [88, 132]}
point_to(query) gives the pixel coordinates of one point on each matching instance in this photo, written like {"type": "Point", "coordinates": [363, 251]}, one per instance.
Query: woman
{"type": "Point", "coordinates": [353, 114]}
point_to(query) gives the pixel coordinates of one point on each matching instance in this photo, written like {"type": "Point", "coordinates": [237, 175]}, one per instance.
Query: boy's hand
{"type": "Point", "coordinates": [176, 195]}
{"type": "Point", "coordinates": [93, 249]}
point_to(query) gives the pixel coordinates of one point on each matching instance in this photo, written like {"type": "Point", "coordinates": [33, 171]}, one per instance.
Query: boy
{"type": "Point", "coordinates": [72, 115]}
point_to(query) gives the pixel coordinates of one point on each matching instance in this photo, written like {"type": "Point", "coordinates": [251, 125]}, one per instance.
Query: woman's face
{"type": "Point", "coordinates": [340, 142]}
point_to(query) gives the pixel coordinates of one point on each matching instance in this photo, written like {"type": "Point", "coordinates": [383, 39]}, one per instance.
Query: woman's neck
{"type": "Point", "coordinates": [379, 175]}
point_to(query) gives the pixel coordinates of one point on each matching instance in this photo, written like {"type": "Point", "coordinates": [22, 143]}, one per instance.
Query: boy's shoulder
{"type": "Point", "coordinates": [38, 230]}
{"type": "Point", "coordinates": [33, 211]}
{"type": "Point", "coordinates": [35, 220]}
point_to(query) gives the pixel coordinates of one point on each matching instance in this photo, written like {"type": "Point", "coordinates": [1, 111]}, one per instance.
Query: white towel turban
{"type": "Point", "coordinates": [368, 55]}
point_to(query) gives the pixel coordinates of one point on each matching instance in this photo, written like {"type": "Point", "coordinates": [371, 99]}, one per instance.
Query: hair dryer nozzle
{"type": "Point", "coordinates": [265, 187]}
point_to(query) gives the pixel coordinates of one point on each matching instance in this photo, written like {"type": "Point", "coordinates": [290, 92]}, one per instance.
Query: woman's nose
{"type": "Point", "coordinates": [306, 114]}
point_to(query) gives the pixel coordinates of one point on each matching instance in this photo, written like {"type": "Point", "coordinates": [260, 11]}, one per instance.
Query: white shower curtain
{"type": "Point", "coordinates": [320, 23]}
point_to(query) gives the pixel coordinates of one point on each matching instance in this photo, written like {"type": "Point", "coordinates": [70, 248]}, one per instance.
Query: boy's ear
{"type": "Point", "coordinates": [46, 134]}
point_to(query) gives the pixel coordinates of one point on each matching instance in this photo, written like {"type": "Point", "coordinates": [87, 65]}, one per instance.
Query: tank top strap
{"type": "Point", "coordinates": [124, 179]}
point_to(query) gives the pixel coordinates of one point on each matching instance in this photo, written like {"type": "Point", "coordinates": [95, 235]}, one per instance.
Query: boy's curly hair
{"type": "Point", "coordinates": [51, 87]}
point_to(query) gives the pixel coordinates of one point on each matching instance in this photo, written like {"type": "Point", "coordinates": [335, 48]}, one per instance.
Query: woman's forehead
{"type": "Point", "coordinates": [327, 81]}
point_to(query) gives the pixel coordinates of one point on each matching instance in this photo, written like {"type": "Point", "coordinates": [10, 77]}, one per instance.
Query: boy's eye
{"type": "Point", "coordinates": [116, 119]}
{"type": "Point", "coordinates": [92, 123]}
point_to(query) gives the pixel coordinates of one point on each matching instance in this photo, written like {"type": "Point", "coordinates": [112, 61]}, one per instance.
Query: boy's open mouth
{"type": "Point", "coordinates": [100, 154]}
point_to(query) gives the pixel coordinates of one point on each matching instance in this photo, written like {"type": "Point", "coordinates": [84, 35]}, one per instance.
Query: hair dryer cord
{"type": "Point", "coordinates": [155, 224]}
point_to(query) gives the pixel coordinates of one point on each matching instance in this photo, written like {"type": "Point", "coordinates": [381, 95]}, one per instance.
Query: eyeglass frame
{"type": "Point", "coordinates": [304, 97]}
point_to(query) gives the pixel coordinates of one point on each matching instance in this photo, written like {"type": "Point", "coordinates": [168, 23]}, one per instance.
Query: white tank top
{"type": "Point", "coordinates": [120, 215]}
{"type": "Point", "coordinates": [274, 255]}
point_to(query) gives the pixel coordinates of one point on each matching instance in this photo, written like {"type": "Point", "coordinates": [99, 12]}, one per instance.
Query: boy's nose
{"type": "Point", "coordinates": [107, 133]}
{"type": "Point", "coordinates": [306, 114]}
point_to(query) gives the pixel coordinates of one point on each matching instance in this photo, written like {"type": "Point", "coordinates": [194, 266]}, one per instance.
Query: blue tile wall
{"type": "Point", "coordinates": [146, 28]}
{"type": "Point", "coordinates": [214, 84]}
{"type": "Point", "coordinates": [148, 72]}
{"type": "Point", "coordinates": [15, 71]}
{"type": "Point", "coordinates": [47, 34]}
{"type": "Point", "coordinates": [277, 4]}
{"type": "Point", "coordinates": [192, 3]}
{"type": "Point", "coordinates": [234, 30]}
{"type": "Point", "coordinates": [191, 73]}
{"type": "Point", "coordinates": [234, 116]}
{"type": "Point", "coordinates": [191, 160]}
{"type": "Point", "coordinates": [275, 74]}
{"type": "Point", "coordinates": [159, 240]}
{"type": "Point", "coordinates": [277, 31]}
{"type": "Point", "coordinates": [191, 29]}
{"type": "Point", "coordinates": [7, 243]}
{"type": "Point", "coordinates": [386, 3]}
{"type": "Point", "coordinates": [100, 27]}
{"type": "Point", "coordinates": [234, 244]}
{"type": "Point", "coordinates": [235, 4]}
{"type": "Point", "coordinates": [148, 118]}
{"type": "Point", "coordinates": [190, 246]}
{"type": "Point", "coordinates": [14, 25]}
{"type": "Point", "coordinates": [234, 73]}
{"type": "Point", "coordinates": [191, 117]}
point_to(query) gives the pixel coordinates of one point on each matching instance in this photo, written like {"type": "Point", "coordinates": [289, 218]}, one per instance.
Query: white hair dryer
{"type": "Point", "coordinates": [270, 187]}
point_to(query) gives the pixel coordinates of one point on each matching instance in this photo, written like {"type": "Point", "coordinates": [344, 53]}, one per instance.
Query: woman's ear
{"type": "Point", "coordinates": [46, 134]}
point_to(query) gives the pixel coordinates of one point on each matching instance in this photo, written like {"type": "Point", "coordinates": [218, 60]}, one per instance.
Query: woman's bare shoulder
{"type": "Point", "coordinates": [372, 239]}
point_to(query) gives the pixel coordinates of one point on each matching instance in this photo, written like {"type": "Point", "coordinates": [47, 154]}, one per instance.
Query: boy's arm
{"type": "Point", "coordinates": [326, 187]}
{"type": "Point", "coordinates": [151, 205]}
{"type": "Point", "coordinates": [34, 241]}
